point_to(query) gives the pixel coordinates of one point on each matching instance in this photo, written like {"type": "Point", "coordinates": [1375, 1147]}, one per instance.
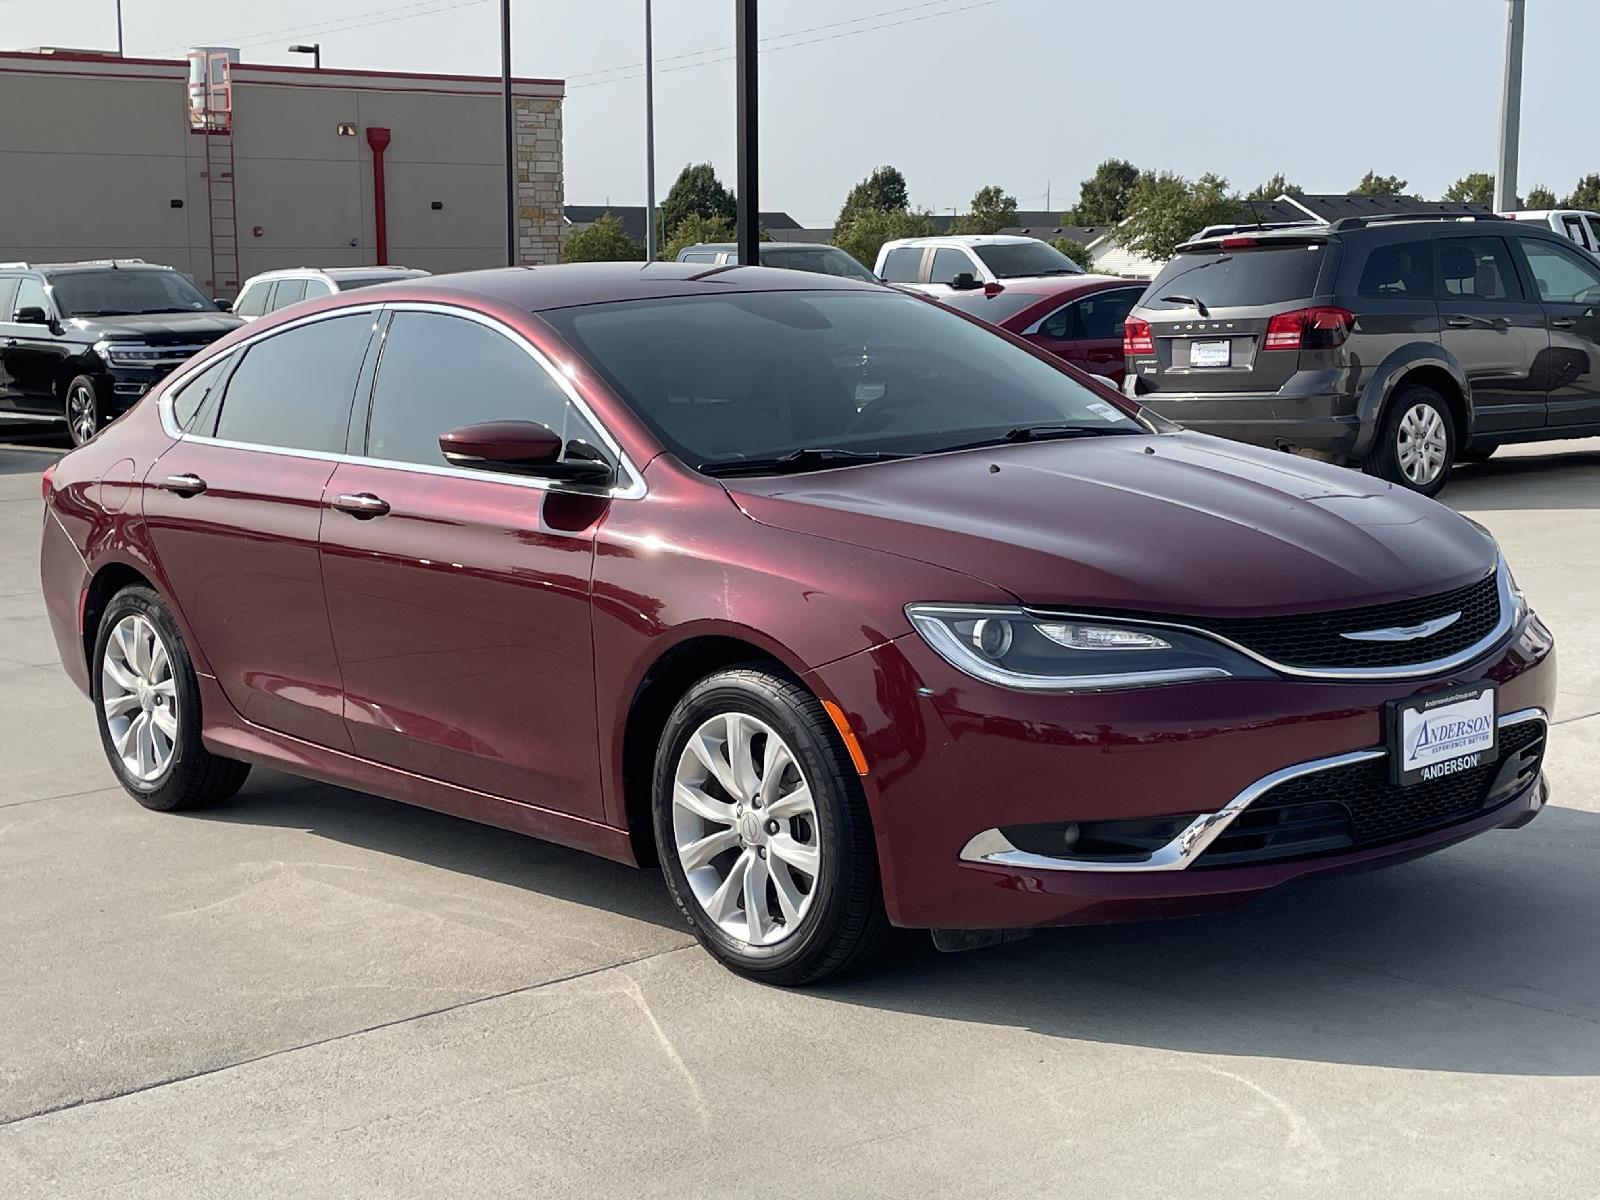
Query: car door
{"type": "Point", "coordinates": [1088, 331]}
{"type": "Point", "coordinates": [8, 294]}
{"type": "Point", "coordinates": [1568, 286]}
{"type": "Point", "coordinates": [459, 598]}
{"type": "Point", "coordinates": [35, 351]}
{"type": "Point", "coordinates": [1494, 330]}
{"type": "Point", "coordinates": [234, 508]}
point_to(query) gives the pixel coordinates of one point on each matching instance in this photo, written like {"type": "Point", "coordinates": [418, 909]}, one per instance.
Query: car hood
{"type": "Point", "coordinates": [1180, 524]}
{"type": "Point", "coordinates": [159, 328]}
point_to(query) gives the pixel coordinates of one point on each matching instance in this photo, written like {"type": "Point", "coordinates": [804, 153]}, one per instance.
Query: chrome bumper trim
{"type": "Point", "coordinates": [993, 848]}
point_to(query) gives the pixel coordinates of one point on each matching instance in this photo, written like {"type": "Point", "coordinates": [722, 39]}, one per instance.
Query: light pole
{"type": "Point", "coordinates": [314, 49]}
{"type": "Point", "coordinates": [119, 28]}
{"type": "Point", "coordinates": [749, 204]}
{"type": "Point", "coordinates": [511, 128]}
{"type": "Point", "coordinates": [1505, 179]}
{"type": "Point", "coordinates": [649, 142]}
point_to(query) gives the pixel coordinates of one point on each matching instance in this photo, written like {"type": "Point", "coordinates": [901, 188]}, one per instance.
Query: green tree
{"type": "Point", "coordinates": [1476, 188]}
{"type": "Point", "coordinates": [1076, 251]}
{"type": "Point", "coordinates": [867, 232]}
{"type": "Point", "coordinates": [990, 212]}
{"type": "Point", "coordinates": [1103, 197]}
{"type": "Point", "coordinates": [1373, 184]}
{"type": "Point", "coordinates": [1541, 197]}
{"type": "Point", "coordinates": [1166, 210]}
{"type": "Point", "coordinates": [1586, 195]}
{"type": "Point", "coordinates": [883, 191]}
{"type": "Point", "coordinates": [697, 192]}
{"type": "Point", "coordinates": [603, 241]}
{"type": "Point", "coordinates": [1273, 188]}
{"type": "Point", "coordinates": [693, 229]}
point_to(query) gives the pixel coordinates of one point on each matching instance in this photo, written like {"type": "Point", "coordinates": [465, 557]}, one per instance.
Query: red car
{"type": "Point", "coordinates": [845, 608]}
{"type": "Point", "coordinates": [1076, 317]}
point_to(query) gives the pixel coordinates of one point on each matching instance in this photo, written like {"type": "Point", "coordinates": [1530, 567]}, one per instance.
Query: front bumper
{"type": "Point", "coordinates": [1325, 422]}
{"type": "Point", "coordinates": [952, 761]}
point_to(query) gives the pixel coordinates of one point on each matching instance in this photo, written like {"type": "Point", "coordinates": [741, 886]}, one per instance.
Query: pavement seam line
{"type": "Point", "coordinates": [339, 1037]}
{"type": "Point", "coordinates": [1579, 717]}
{"type": "Point", "coordinates": [63, 796]}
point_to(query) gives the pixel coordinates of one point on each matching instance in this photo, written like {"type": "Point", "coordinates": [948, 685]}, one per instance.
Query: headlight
{"type": "Point", "coordinates": [1014, 648]}
{"type": "Point", "coordinates": [129, 354]}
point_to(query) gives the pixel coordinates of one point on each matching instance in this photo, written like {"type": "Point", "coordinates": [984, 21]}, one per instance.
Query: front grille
{"type": "Point", "coordinates": [1354, 807]}
{"type": "Point", "coordinates": [1313, 641]}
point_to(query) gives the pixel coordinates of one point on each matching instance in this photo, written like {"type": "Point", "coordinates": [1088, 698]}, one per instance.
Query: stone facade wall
{"type": "Point", "coordinates": [539, 180]}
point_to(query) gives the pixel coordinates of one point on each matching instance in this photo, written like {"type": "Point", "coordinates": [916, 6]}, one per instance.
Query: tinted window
{"type": "Point", "coordinates": [293, 389]}
{"type": "Point", "coordinates": [1238, 279]}
{"type": "Point", "coordinates": [947, 264]}
{"type": "Point", "coordinates": [8, 294]}
{"type": "Point", "coordinates": [1476, 268]}
{"type": "Point", "coordinates": [1102, 314]}
{"type": "Point", "coordinates": [316, 288]}
{"type": "Point", "coordinates": [438, 373]}
{"type": "Point", "coordinates": [30, 294]}
{"type": "Point", "coordinates": [126, 290]}
{"type": "Point", "coordinates": [1562, 276]}
{"type": "Point", "coordinates": [698, 256]}
{"type": "Point", "coordinates": [1576, 230]}
{"type": "Point", "coordinates": [286, 292]}
{"type": "Point", "coordinates": [759, 374]}
{"type": "Point", "coordinates": [1013, 260]}
{"type": "Point", "coordinates": [1398, 272]}
{"type": "Point", "coordinates": [186, 401]}
{"type": "Point", "coordinates": [993, 309]}
{"type": "Point", "coordinates": [900, 264]}
{"type": "Point", "coordinates": [252, 301]}
{"type": "Point", "coordinates": [819, 260]}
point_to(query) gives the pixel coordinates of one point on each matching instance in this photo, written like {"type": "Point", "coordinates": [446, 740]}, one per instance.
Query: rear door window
{"type": "Point", "coordinates": [316, 288]}
{"type": "Point", "coordinates": [1238, 279]}
{"type": "Point", "coordinates": [900, 264]}
{"type": "Point", "coordinates": [8, 294]}
{"type": "Point", "coordinates": [293, 389]}
{"type": "Point", "coordinates": [288, 292]}
{"type": "Point", "coordinates": [1101, 315]}
{"type": "Point", "coordinates": [1574, 227]}
{"type": "Point", "coordinates": [1475, 270]}
{"type": "Point", "coordinates": [1401, 271]}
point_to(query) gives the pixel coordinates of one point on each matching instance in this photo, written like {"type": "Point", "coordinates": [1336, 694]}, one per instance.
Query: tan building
{"type": "Point", "coordinates": [320, 167]}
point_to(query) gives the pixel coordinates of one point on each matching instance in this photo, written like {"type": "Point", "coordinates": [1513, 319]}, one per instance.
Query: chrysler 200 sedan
{"type": "Point", "coordinates": [848, 610]}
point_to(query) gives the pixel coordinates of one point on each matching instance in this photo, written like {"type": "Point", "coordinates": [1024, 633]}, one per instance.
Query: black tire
{"type": "Point", "coordinates": [82, 407]}
{"type": "Point", "coordinates": [845, 924]}
{"type": "Point", "coordinates": [1386, 459]}
{"type": "Point", "coordinates": [194, 777]}
{"type": "Point", "coordinates": [1478, 454]}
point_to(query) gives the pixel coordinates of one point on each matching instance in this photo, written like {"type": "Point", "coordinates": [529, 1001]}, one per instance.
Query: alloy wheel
{"type": "Point", "coordinates": [81, 413]}
{"type": "Point", "coordinates": [745, 829]}
{"type": "Point", "coordinates": [1421, 443]}
{"type": "Point", "coordinates": [140, 698]}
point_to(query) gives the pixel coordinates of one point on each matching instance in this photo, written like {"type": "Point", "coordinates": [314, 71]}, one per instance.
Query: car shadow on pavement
{"type": "Point", "coordinates": [1559, 480]}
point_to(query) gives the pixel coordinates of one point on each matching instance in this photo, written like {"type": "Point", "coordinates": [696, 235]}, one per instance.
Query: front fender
{"type": "Point", "coordinates": [1388, 376]}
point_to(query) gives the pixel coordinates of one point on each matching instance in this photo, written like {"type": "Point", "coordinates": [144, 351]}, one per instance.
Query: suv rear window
{"type": "Point", "coordinates": [1239, 279]}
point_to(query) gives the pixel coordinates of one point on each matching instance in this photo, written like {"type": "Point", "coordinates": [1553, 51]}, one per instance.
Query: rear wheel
{"type": "Point", "coordinates": [763, 833]}
{"type": "Point", "coordinates": [1417, 441]}
{"type": "Point", "coordinates": [82, 409]}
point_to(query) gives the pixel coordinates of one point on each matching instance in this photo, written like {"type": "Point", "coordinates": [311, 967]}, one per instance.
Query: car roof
{"type": "Point", "coordinates": [63, 268]}
{"type": "Point", "coordinates": [566, 285]}
{"type": "Point", "coordinates": [765, 246]}
{"type": "Point", "coordinates": [964, 239]}
{"type": "Point", "coordinates": [337, 273]}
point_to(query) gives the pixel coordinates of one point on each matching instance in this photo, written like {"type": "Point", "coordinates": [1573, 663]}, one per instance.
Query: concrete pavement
{"type": "Point", "coordinates": [309, 992]}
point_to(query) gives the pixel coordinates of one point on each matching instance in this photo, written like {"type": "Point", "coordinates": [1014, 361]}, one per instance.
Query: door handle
{"type": "Point", "coordinates": [361, 505]}
{"type": "Point", "coordinates": [1460, 322]}
{"type": "Point", "coordinates": [1562, 323]}
{"type": "Point", "coordinates": [184, 485]}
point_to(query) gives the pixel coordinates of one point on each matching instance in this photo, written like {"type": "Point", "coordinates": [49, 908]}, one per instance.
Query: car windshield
{"type": "Point", "coordinates": [761, 375]}
{"type": "Point", "coordinates": [125, 292]}
{"type": "Point", "coordinates": [819, 260]}
{"type": "Point", "coordinates": [992, 309]}
{"type": "Point", "coordinates": [1014, 260]}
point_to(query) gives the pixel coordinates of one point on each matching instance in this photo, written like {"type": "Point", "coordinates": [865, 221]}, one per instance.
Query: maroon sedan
{"type": "Point", "coordinates": [1076, 317]}
{"type": "Point", "coordinates": [846, 609]}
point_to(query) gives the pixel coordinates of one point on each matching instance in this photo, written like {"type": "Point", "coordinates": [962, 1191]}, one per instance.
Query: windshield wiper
{"type": "Point", "coordinates": [1191, 301]}
{"type": "Point", "coordinates": [105, 312]}
{"type": "Point", "coordinates": [1047, 433]}
{"type": "Point", "coordinates": [809, 459]}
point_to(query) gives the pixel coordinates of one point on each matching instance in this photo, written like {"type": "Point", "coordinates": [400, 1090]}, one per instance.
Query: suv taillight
{"type": "Point", "coordinates": [1136, 337]}
{"type": "Point", "coordinates": [1319, 328]}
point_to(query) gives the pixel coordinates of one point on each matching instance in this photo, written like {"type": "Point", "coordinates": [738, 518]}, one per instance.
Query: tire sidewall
{"type": "Point", "coordinates": [162, 792]}
{"type": "Point", "coordinates": [819, 764]}
{"type": "Point", "coordinates": [1387, 460]}
{"type": "Point", "coordinates": [82, 381]}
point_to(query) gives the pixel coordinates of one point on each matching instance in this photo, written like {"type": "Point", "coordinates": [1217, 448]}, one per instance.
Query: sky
{"type": "Point", "coordinates": [1027, 94]}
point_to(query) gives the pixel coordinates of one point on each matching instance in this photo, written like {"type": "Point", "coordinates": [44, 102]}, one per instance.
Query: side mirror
{"type": "Point", "coordinates": [520, 448]}
{"type": "Point", "coordinates": [966, 281]}
{"type": "Point", "coordinates": [32, 315]}
{"type": "Point", "coordinates": [222, 304]}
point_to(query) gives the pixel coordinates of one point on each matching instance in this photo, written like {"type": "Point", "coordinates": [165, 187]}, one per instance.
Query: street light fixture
{"type": "Point", "coordinates": [314, 49]}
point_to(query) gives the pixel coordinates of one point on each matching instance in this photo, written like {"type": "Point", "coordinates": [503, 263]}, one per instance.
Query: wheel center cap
{"type": "Point", "coordinates": [750, 828]}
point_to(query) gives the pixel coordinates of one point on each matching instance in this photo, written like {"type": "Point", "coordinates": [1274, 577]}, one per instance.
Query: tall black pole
{"type": "Point", "coordinates": [511, 133]}
{"type": "Point", "coordinates": [749, 189]}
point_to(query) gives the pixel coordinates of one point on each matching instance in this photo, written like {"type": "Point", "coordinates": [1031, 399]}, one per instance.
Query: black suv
{"type": "Point", "coordinates": [1401, 345]}
{"type": "Point", "coordinates": [81, 342]}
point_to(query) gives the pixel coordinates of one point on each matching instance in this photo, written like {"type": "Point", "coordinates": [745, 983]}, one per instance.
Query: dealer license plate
{"type": "Point", "coordinates": [1210, 354]}
{"type": "Point", "coordinates": [1431, 737]}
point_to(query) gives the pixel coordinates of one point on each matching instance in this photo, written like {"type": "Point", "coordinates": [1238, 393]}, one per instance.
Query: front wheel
{"type": "Point", "coordinates": [82, 410]}
{"type": "Point", "coordinates": [763, 832]}
{"type": "Point", "coordinates": [1417, 441]}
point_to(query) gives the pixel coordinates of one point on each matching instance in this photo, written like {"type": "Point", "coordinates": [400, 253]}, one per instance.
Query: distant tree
{"type": "Point", "coordinates": [1586, 195]}
{"type": "Point", "coordinates": [1103, 197]}
{"type": "Point", "coordinates": [1076, 251]}
{"type": "Point", "coordinates": [1167, 209]}
{"type": "Point", "coordinates": [698, 193]}
{"type": "Point", "coordinates": [1476, 188]}
{"type": "Point", "coordinates": [1373, 184]}
{"type": "Point", "coordinates": [867, 232]}
{"type": "Point", "coordinates": [990, 212]}
{"type": "Point", "coordinates": [882, 191]}
{"type": "Point", "coordinates": [1540, 197]}
{"type": "Point", "coordinates": [603, 241]}
{"type": "Point", "coordinates": [693, 229]}
{"type": "Point", "coordinates": [1273, 188]}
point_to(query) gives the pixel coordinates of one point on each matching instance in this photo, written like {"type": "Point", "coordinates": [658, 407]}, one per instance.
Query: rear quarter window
{"type": "Point", "coordinates": [1239, 279]}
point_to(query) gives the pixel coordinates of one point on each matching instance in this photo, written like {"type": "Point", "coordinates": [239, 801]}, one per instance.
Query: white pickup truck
{"type": "Point", "coordinates": [1578, 224]}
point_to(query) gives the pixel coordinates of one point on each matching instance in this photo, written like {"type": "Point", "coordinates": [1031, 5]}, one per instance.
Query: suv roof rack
{"type": "Point", "coordinates": [1384, 218]}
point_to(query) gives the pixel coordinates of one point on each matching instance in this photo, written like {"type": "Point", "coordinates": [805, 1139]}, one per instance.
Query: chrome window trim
{"type": "Point", "coordinates": [993, 848]}
{"type": "Point", "coordinates": [634, 489]}
{"type": "Point", "coordinates": [1502, 629]}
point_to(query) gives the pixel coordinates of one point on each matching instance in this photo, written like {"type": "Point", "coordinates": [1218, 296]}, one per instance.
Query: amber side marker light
{"type": "Point", "coordinates": [842, 724]}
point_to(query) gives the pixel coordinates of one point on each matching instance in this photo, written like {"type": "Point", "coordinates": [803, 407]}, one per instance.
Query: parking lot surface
{"type": "Point", "coordinates": [311, 992]}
